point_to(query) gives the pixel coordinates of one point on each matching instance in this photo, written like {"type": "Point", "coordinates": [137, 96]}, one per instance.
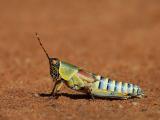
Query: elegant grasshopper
{"type": "Point", "coordinates": [87, 82]}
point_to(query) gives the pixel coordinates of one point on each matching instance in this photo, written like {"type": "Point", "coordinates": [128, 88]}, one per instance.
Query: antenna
{"type": "Point", "coordinates": [38, 38]}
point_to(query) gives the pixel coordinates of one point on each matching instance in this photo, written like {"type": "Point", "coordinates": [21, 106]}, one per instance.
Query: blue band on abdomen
{"type": "Point", "coordinates": [101, 83]}
{"type": "Point", "coordinates": [122, 89]}
{"type": "Point", "coordinates": [109, 84]}
{"type": "Point", "coordinates": [116, 86]}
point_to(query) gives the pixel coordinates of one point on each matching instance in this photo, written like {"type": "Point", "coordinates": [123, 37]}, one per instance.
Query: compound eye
{"type": "Point", "coordinates": [54, 61]}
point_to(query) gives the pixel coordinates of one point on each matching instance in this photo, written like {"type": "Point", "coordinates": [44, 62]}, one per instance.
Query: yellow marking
{"type": "Point", "coordinates": [105, 83]}
{"type": "Point", "coordinates": [125, 88]}
{"type": "Point", "coordinates": [95, 85]}
{"type": "Point", "coordinates": [119, 87]}
{"type": "Point", "coordinates": [112, 86]}
{"type": "Point", "coordinates": [67, 70]}
{"type": "Point", "coordinates": [78, 81]}
{"type": "Point", "coordinates": [70, 83]}
{"type": "Point", "coordinates": [106, 79]}
{"type": "Point", "coordinates": [58, 86]}
{"type": "Point", "coordinates": [108, 94]}
{"type": "Point", "coordinates": [98, 77]}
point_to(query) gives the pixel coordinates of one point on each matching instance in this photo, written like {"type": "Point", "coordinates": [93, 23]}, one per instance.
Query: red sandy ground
{"type": "Point", "coordinates": [112, 38]}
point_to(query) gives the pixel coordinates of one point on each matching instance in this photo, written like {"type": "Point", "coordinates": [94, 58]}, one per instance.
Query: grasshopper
{"type": "Point", "coordinates": [87, 82]}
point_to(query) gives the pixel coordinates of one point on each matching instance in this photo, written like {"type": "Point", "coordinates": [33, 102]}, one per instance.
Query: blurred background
{"type": "Point", "coordinates": [119, 39]}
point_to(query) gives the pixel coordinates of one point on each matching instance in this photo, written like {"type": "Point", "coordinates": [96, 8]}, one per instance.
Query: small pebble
{"type": "Point", "coordinates": [36, 95]}
{"type": "Point", "coordinates": [135, 103]}
{"type": "Point", "coordinates": [120, 106]}
{"type": "Point", "coordinates": [54, 105]}
{"type": "Point", "coordinates": [144, 109]}
{"type": "Point", "coordinates": [27, 60]}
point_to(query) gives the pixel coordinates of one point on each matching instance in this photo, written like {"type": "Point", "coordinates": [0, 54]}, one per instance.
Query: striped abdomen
{"type": "Point", "coordinates": [118, 87]}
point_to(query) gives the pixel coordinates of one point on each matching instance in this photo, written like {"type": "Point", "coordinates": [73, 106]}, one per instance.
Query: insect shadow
{"type": "Point", "coordinates": [72, 96]}
{"type": "Point", "coordinates": [76, 96]}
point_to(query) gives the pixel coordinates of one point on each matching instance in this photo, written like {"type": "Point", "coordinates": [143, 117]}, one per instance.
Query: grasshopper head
{"type": "Point", "coordinates": [53, 62]}
{"type": "Point", "coordinates": [54, 68]}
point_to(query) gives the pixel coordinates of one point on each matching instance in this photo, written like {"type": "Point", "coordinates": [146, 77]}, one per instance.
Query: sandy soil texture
{"type": "Point", "coordinates": [112, 38]}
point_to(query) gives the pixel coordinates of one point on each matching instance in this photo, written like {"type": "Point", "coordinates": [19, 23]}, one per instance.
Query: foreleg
{"type": "Point", "coordinates": [58, 85]}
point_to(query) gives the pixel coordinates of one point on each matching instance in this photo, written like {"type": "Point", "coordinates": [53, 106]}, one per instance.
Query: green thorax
{"type": "Point", "coordinates": [67, 70]}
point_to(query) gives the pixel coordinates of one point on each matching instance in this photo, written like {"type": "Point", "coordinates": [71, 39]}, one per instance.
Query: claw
{"type": "Point", "coordinates": [54, 96]}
